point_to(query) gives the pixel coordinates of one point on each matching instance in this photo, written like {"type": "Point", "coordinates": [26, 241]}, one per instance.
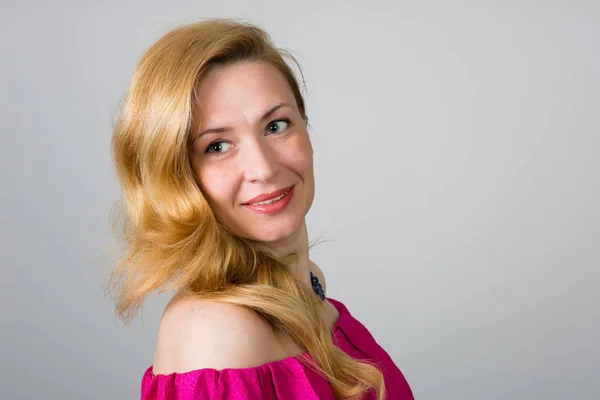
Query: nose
{"type": "Point", "coordinates": [259, 162]}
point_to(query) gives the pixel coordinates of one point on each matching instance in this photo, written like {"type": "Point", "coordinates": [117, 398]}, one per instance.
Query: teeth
{"type": "Point", "coordinates": [262, 203]}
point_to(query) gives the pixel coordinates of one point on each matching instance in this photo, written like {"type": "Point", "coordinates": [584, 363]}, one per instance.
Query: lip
{"type": "Point", "coordinates": [268, 196]}
{"type": "Point", "coordinates": [273, 208]}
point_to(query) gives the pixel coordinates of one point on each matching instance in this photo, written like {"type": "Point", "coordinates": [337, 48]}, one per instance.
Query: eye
{"type": "Point", "coordinates": [278, 126]}
{"type": "Point", "coordinates": [217, 147]}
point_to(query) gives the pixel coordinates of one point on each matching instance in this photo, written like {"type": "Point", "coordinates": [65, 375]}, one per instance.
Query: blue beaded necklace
{"type": "Point", "coordinates": [316, 285]}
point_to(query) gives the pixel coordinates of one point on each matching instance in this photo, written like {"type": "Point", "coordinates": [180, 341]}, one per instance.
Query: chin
{"type": "Point", "coordinates": [275, 230]}
{"type": "Point", "coordinates": [275, 233]}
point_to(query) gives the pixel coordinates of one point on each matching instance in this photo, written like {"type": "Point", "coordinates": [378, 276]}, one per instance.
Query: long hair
{"type": "Point", "coordinates": [171, 238]}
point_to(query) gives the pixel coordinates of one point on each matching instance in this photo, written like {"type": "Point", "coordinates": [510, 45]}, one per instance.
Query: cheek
{"type": "Point", "coordinates": [301, 161]}
{"type": "Point", "coordinates": [216, 185]}
{"type": "Point", "coordinates": [301, 155]}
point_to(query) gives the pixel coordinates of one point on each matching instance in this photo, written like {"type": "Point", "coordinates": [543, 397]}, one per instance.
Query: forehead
{"type": "Point", "coordinates": [248, 88]}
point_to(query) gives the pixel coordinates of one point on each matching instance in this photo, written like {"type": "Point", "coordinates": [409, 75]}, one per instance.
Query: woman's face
{"type": "Point", "coordinates": [252, 141]}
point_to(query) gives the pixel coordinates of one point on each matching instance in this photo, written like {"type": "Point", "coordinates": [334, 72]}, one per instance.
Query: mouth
{"type": "Point", "coordinates": [269, 198]}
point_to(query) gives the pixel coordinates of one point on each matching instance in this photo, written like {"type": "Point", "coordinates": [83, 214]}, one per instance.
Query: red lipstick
{"type": "Point", "coordinates": [274, 207]}
{"type": "Point", "coordinates": [268, 196]}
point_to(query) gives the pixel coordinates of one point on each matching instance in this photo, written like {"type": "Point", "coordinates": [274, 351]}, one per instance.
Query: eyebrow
{"type": "Point", "coordinates": [227, 128]}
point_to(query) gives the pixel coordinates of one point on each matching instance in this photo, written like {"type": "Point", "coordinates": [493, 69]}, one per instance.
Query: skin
{"type": "Point", "coordinates": [254, 155]}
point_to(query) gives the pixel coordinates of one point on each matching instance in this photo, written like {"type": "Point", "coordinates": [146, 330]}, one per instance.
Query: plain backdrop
{"type": "Point", "coordinates": [457, 159]}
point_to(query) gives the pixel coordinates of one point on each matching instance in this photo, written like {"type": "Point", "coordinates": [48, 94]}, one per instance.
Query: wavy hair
{"type": "Point", "coordinates": [170, 237]}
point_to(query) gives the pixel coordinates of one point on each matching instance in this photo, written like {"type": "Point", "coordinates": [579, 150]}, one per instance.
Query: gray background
{"type": "Point", "coordinates": [458, 177]}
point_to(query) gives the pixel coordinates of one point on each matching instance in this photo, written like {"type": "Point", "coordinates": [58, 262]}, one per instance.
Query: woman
{"type": "Point", "coordinates": [216, 165]}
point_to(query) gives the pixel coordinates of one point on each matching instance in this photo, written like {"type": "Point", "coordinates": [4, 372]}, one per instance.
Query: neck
{"type": "Point", "coordinates": [298, 244]}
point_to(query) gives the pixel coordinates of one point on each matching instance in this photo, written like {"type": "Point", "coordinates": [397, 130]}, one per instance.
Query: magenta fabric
{"type": "Point", "coordinates": [286, 379]}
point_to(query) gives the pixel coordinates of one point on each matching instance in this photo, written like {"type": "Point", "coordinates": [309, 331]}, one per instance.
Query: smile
{"type": "Point", "coordinates": [261, 203]}
{"type": "Point", "coordinates": [274, 205]}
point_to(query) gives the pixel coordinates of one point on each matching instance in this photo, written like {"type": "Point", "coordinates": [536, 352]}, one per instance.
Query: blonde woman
{"type": "Point", "coordinates": [215, 162]}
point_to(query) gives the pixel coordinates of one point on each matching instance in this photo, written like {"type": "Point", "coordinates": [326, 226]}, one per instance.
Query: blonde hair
{"type": "Point", "coordinates": [170, 235]}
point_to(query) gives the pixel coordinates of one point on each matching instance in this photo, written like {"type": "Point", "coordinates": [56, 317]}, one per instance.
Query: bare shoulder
{"type": "Point", "coordinates": [197, 333]}
{"type": "Point", "coordinates": [319, 274]}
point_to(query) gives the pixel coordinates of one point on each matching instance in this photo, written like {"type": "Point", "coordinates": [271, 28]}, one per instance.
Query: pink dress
{"type": "Point", "coordinates": [286, 379]}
